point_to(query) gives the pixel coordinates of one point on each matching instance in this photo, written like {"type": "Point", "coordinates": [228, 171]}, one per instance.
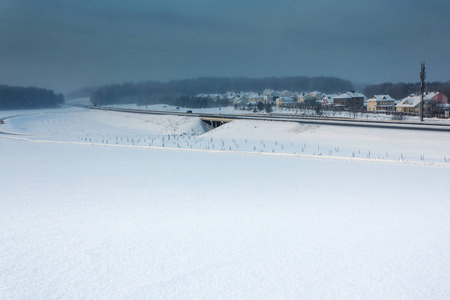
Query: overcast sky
{"type": "Point", "coordinates": [69, 44]}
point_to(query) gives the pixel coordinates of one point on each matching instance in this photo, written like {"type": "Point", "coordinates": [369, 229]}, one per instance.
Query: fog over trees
{"type": "Point", "coordinates": [155, 92]}
{"type": "Point", "coordinates": [14, 97]}
{"type": "Point", "coordinates": [81, 93]}
{"type": "Point", "coordinates": [200, 102]}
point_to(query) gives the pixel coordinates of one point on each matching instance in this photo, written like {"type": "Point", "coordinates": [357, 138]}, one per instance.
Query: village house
{"type": "Point", "coordinates": [287, 93]}
{"type": "Point", "coordinates": [241, 100]}
{"type": "Point", "coordinates": [437, 97]}
{"type": "Point", "coordinates": [270, 96]}
{"type": "Point", "coordinates": [255, 98]}
{"type": "Point", "coordinates": [381, 103]}
{"type": "Point", "coordinates": [443, 110]}
{"type": "Point", "coordinates": [309, 98]}
{"type": "Point", "coordinates": [431, 101]}
{"type": "Point", "coordinates": [327, 100]}
{"type": "Point", "coordinates": [352, 100]}
{"type": "Point", "coordinates": [411, 103]}
{"type": "Point", "coordinates": [286, 102]}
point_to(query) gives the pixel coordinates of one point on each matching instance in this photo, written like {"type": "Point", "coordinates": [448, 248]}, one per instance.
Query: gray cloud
{"type": "Point", "coordinates": [68, 44]}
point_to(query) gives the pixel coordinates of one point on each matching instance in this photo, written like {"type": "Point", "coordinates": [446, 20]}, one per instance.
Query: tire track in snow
{"type": "Point", "coordinates": [2, 121]}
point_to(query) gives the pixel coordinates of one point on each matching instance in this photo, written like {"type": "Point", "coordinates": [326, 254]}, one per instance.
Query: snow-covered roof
{"type": "Point", "coordinates": [230, 94]}
{"type": "Point", "coordinates": [219, 96]}
{"type": "Point", "coordinates": [257, 97]}
{"type": "Point", "coordinates": [269, 92]}
{"type": "Point", "coordinates": [287, 93]}
{"type": "Point", "coordinates": [432, 94]}
{"type": "Point", "coordinates": [381, 98]}
{"type": "Point", "coordinates": [329, 98]}
{"type": "Point", "coordinates": [241, 100]}
{"type": "Point", "coordinates": [412, 101]}
{"type": "Point", "coordinates": [316, 94]}
{"type": "Point", "coordinates": [349, 95]}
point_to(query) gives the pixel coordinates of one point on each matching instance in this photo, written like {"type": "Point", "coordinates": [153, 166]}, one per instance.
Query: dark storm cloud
{"type": "Point", "coordinates": [67, 44]}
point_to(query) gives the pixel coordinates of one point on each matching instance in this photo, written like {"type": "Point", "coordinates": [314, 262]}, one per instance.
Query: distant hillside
{"type": "Point", "coordinates": [13, 97]}
{"type": "Point", "coordinates": [401, 90]}
{"type": "Point", "coordinates": [166, 92]}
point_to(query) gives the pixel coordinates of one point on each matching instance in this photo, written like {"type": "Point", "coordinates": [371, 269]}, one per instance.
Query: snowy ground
{"type": "Point", "coordinates": [82, 216]}
{"type": "Point", "coordinates": [275, 138]}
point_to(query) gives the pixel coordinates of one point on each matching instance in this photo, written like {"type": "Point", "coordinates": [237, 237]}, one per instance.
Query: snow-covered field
{"type": "Point", "coordinates": [271, 138]}
{"type": "Point", "coordinates": [99, 204]}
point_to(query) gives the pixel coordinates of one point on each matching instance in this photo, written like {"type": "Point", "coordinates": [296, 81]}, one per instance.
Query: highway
{"type": "Point", "coordinates": [387, 124]}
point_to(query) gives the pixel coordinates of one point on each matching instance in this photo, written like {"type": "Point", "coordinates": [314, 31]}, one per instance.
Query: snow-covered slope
{"type": "Point", "coordinates": [73, 123]}
{"type": "Point", "coordinates": [339, 141]}
{"type": "Point", "coordinates": [190, 133]}
{"type": "Point", "coordinates": [86, 219]}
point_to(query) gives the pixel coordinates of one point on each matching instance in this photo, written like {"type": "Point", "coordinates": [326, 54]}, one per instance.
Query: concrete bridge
{"type": "Point", "coordinates": [215, 122]}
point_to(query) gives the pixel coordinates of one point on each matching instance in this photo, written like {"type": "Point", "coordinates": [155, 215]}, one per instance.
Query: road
{"type": "Point", "coordinates": [407, 125]}
{"type": "Point", "coordinates": [2, 121]}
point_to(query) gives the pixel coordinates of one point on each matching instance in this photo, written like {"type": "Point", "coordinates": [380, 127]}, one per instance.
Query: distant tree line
{"type": "Point", "coordinates": [155, 92]}
{"type": "Point", "coordinates": [12, 97]}
{"type": "Point", "coordinates": [200, 102]}
{"type": "Point", "coordinates": [401, 90]}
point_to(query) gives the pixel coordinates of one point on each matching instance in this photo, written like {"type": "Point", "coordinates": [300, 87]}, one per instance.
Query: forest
{"type": "Point", "coordinates": [13, 97]}
{"type": "Point", "coordinates": [155, 92]}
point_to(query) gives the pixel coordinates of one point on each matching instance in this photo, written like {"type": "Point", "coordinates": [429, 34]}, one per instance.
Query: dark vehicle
{"type": "Point", "coordinates": [189, 112]}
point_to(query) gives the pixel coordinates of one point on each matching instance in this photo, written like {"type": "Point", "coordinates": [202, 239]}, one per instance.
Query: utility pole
{"type": "Point", "coordinates": [423, 75]}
